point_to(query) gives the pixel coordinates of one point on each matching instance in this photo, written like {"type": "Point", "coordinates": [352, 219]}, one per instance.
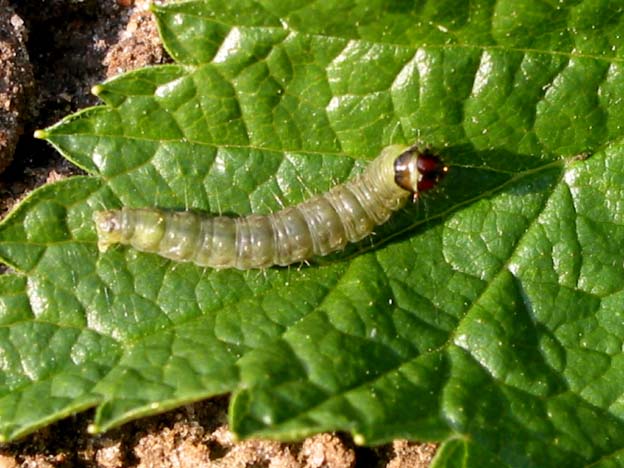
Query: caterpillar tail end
{"type": "Point", "coordinates": [108, 228]}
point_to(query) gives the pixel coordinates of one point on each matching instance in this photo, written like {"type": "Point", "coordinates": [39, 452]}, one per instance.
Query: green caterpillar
{"type": "Point", "coordinates": [324, 224]}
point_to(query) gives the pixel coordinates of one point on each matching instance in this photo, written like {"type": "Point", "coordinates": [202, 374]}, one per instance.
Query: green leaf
{"type": "Point", "coordinates": [489, 316]}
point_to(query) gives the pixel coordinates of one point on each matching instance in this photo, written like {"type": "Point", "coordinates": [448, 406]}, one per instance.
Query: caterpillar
{"type": "Point", "coordinates": [323, 224]}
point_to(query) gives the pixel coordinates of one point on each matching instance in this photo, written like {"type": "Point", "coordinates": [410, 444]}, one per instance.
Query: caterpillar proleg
{"type": "Point", "coordinates": [323, 224]}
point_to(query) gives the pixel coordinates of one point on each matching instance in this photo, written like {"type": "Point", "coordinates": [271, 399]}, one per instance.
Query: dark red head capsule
{"type": "Point", "coordinates": [418, 171]}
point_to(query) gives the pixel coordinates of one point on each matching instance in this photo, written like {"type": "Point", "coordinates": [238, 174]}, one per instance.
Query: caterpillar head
{"type": "Point", "coordinates": [108, 227]}
{"type": "Point", "coordinates": [418, 170]}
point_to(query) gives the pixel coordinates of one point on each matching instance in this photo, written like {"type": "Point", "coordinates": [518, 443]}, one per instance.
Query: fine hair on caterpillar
{"type": "Point", "coordinates": [323, 224]}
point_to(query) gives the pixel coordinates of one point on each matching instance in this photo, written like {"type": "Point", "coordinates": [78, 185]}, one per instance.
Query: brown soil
{"type": "Point", "coordinates": [16, 81]}
{"type": "Point", "coordinates": [73, 45]}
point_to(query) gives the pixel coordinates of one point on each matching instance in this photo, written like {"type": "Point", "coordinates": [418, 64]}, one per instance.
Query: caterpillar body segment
{"type": "Point", "coordinates": [323, 224]}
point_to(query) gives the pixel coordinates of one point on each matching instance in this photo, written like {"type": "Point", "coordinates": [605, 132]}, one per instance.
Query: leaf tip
{"type": "Point", "coordinates": [97, 90]}
{"type": "Point", "coordinates": [359, 439]}
{"type": "Point", "coordinates": [93, 428]}
{"type": "Point", "coordinates": [40, 134]}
